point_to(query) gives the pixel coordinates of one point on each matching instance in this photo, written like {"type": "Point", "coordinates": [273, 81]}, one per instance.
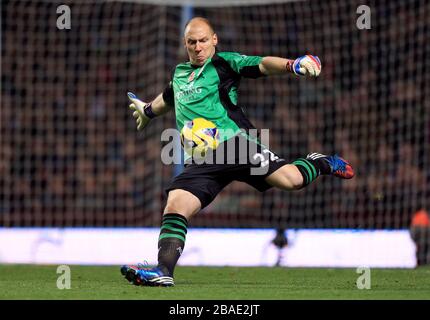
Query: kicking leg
{"type": "Point", "coordinates": [305, 170]}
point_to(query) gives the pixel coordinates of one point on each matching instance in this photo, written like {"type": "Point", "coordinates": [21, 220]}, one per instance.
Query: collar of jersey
{"type": "Point", "coordinates": [201, 67]}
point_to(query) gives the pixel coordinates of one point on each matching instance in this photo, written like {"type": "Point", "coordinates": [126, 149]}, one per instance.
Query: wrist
{"type": "Point", "coordinates": [147, 110]}
{"type": "Point", "coordinates": [289, 65]}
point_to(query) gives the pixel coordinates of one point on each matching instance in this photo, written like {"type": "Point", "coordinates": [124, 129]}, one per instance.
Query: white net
{"type": "Point", "coordinates": [70, 154]}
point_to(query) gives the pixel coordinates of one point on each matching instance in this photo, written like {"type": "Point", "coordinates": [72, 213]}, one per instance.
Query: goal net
{"type": "Point", "coordinates": [70, 154]}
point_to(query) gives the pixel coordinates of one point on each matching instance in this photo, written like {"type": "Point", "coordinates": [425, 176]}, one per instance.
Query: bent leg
{"type": "Point", "coordinates": [305, 170]}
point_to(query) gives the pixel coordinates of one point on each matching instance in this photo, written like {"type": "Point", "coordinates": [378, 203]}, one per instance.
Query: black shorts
{"type": "Point", "coordinates": [206, 180]}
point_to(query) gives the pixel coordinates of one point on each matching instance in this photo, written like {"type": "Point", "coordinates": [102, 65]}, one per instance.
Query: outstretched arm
{"type": "Point", "coordinates": [144, 112]}
{"type": "Point", "coordinates": [305, 65]}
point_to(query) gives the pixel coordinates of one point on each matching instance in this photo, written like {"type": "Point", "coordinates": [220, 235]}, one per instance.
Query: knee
{"type": "Point", "coordinates": [174, 205]}
{"type": "Point", "coordinates": [182, 202]}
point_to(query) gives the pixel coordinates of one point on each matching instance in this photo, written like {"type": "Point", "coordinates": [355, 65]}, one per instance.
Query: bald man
{"type": "Point", "coordinates": [206, 87]}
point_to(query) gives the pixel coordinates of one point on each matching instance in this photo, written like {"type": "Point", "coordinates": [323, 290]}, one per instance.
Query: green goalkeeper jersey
{"type": "Point", "coordinates": [210, 91]}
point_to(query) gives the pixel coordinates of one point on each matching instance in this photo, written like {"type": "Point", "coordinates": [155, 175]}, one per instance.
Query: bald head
{"type": "Point", "coordinates": [200, 40]}
{"type": "Point", "coordinates": [198, 22]}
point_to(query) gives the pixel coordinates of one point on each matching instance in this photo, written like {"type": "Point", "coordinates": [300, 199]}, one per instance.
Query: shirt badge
{"type": "Point", "coordinates": [191, 77]}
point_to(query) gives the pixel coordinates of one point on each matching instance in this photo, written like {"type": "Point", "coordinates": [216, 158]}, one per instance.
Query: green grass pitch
{"type": "Point", "coordinates": [212, 283]}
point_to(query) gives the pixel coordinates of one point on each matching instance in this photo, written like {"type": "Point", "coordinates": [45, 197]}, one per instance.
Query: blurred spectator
{"type": "Point", "coordinates": [420, 233]}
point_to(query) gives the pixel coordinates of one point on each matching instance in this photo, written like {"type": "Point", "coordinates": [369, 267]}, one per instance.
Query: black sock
{"type": "Point", "coordinates": [171, 241]}
{"type": "Point", "coordinates": [311, 169]}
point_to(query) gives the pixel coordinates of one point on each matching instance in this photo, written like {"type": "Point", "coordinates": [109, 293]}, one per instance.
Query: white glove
{"type": "Point", "coordinates": [307, 65]}
{"type": "Point", "coordinates": [138, 106]}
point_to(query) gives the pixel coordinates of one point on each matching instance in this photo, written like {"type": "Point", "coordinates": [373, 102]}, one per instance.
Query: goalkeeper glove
{"type": "Point", "coordinates": [306, 65]}
{"type": "Point", "coordinates": [142, 111]}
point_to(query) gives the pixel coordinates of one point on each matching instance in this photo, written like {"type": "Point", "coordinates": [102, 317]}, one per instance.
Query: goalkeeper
{"type": "Point", "coordinates": [206, 87]}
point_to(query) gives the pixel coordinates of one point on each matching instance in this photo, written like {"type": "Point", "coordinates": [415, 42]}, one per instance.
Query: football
{"type": "Point", "coordinates": [199, 136]}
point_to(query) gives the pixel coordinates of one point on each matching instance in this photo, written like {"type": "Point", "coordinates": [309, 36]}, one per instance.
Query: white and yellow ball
{"type": "Point", "coordinates": [199, 136]}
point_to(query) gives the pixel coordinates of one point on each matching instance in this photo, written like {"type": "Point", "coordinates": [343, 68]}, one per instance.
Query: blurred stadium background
{"type": "Point", "coordinates": [70, 155]}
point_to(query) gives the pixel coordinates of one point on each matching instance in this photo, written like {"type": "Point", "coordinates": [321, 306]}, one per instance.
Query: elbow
{"type": "Point", "coordinates": [263, 70]}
